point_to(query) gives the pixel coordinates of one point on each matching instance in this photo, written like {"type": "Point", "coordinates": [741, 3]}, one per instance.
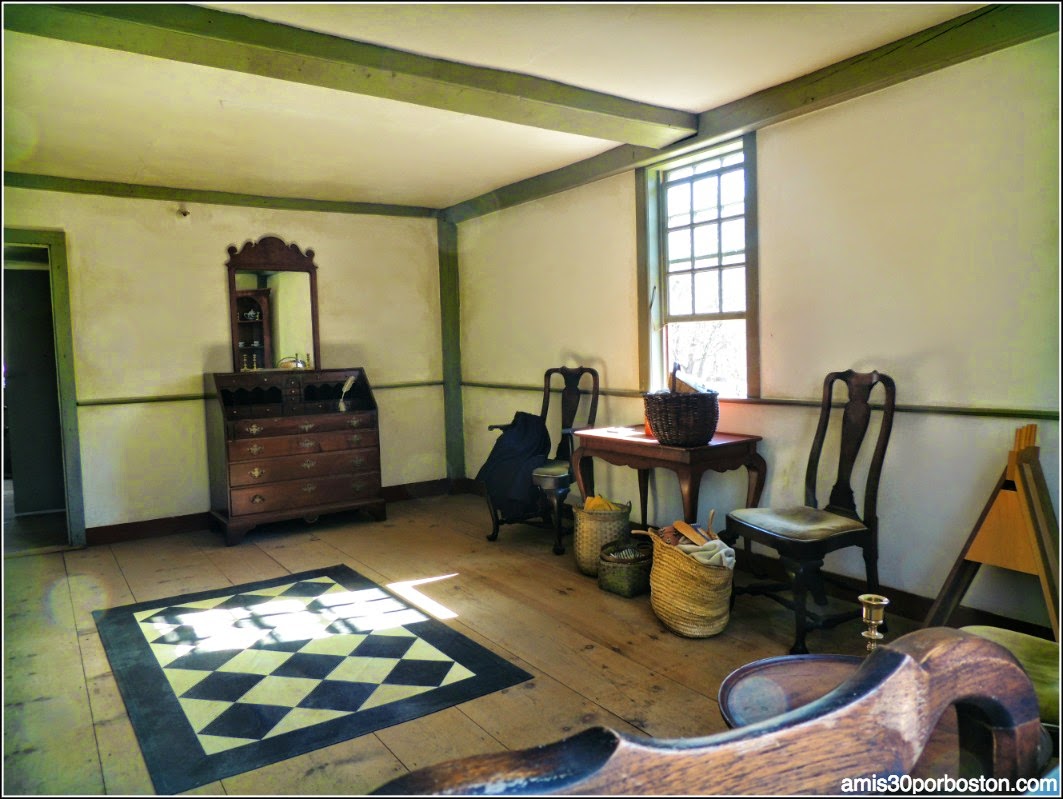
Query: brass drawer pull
{"type": "Point", "coordinates": [254, 429]}
{"type": "Point", "coordinates": [256, 472]}
{"type": "Point", "coordinates": [359, 461]}
{"type": "Point", "coordinates": [309, 488]}
{"type": "Point", "coordinates": [306, 443]}
{"type": "Point", "coordinates": [309, 464]}
{"type": "Point", "coordinates": [355, 439]}
{"type": "Point", "coordinates": [306, 427]}
{"type": "Point", "coordinates": [359, 486]}
{"type": "Point", "coordinates": [254, 449]}
{"type": "Point", "coordinates": [257, 499]}
{"type": "Point", "coordinates": [355, 422]}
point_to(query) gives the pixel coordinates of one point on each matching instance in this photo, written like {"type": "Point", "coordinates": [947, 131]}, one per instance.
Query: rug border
{"type": "Point", "coordinates": [163, 744]}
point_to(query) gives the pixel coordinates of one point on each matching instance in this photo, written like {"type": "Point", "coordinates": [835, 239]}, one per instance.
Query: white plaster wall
{"type": "Point", "coordinates": [149, 308]}
{"type": "Point", "coordinates": [914, 231]}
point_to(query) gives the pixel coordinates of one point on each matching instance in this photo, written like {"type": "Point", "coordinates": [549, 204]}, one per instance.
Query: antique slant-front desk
{"type": "Point", "coordinates": [283, 444]}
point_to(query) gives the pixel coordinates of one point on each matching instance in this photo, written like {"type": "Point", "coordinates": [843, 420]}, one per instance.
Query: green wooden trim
{"type": "Point", "coordinates": [975, 34]}
{"type": "Point", "coordinates": [944, 410]}
{"type": "Point", "coordinates": [55, 241]}
{"type": "Point", "coordinates": [230, 41]}
{"type": "Point", "coordinates": [98, 401]}
{"type": "Point", "coordinates": [645, 210]}
{"type": "Point", "coordinates": [612, 162]}
{"type": "Point", "coordinates": [749, 149]}
{"type": "Point", "coordinates": [978, 33]}
{"type": "Point", "coordinates": [450, 329]}
{"type": "Point", "coordinates": [24, 180]}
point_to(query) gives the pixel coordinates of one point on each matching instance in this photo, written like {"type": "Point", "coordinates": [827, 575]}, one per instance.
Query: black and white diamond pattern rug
{"type": "Point", "coordinates": [221, 682]}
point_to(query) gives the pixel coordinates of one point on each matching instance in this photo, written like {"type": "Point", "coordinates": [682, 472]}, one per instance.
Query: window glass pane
{"type": "Point", "coordinates": [714, 352]}
{"type": "Point", "coordinates": [734, 209]}
{"type": "Point", "coordinates": [734, 289]}
{"type": "Point", "coordinates": [677, 200]}
{"type": "Point", "coordinates": [736, 258]}
{"type": "Point", "coordinates": [733, 235]}
{"type": "Point", "coordinates": [732, 187]}
{"type": "Point", "coordinates": [679, 244]}
{"type": "Point", "coordinates": [705, 193]}
{"type": "Point", "coordinates": [733, 158]}
{"type": "Point", "coordinates": [676, 174]}
{"type": "Point", "coordinates": [707, 166]}
{"type": "Point", "coordinates": [679, 299]}
{"type": "Point", "coordinates": [705, 263]}
{"type": "Point", "coordinates": [678, 266]}
{"type": "Point", "coordinates": [707, 291]}
{"type": "Point", "coordinates": [706, 240]}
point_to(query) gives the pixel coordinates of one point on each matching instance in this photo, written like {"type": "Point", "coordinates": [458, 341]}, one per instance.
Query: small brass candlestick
{"type": "Point", "coordinates": [874, 614]}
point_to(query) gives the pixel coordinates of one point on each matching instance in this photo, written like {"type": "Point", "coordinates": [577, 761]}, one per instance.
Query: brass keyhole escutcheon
{"type": "Point", "coordinates": [257, 499]}
{"type": "Point", "coordinates": [309, 488]}
{"type": "Point", "coordinates": [355, 422]}
{"type": "Point", "coordinates": [254, 449]}
{"type": "Point", "coordinates": [257, 472]}
{"type": "Point", "coordinates": [309, 464]}
{"type": "Point", "coordinates": [356, 439]}
{"type": "Point", "coordinates": [359, 486]}
{"type": "Point", "coordinates": [305, 443]}
{"type": "Point", "coordinates": [254, 429]}
{"type": "Point", "coordinates": [359, 461]}
{"type": "Point", "coordinates": [306, 427]}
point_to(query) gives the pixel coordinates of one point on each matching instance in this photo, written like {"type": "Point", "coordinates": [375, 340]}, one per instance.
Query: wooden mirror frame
{"type": "Point", "coordinates": [271, 254]}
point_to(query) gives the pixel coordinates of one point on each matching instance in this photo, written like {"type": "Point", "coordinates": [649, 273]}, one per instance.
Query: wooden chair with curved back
{"type": "Point", "coordinates": [874, 725]}
{"type": "Point", "coordinates": [554, 478]}
{"type": "Point", "coordinates": [805, 534]}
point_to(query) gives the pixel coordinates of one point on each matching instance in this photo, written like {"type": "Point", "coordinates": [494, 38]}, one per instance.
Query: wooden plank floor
{"type": "Point", "coordinates": [597, 658]}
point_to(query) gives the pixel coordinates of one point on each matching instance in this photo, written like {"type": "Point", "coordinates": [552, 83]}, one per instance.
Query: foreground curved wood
{"type": "Point", "coordinates": [876, 723]}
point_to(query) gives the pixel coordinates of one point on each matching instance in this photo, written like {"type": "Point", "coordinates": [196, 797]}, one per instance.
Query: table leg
{"type": "Point", "coordinates": [583, 469]}
{"type": "Point", "coordinates": [644, 483]}
{"type": "Point", "coordinates": [757, 469]}
{"type": "Point", "coordinates": [690, 487]}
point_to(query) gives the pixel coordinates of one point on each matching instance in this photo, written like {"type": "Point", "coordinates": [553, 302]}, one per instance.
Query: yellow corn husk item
{"type": "Point", "coordinates": [598, 503]}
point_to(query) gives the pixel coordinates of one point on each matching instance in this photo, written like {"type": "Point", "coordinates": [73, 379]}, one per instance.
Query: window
{"type": "Point", "coordinates": [702, 266]}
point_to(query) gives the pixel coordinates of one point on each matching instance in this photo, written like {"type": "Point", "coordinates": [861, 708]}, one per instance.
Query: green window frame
{"type": "Point", "coordinates": [699, 214]}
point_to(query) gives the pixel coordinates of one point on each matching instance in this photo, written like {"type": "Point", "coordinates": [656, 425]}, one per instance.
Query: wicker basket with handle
{"type": "Point", "coordinates": [594, 529]}
{"type": "Point", "coordinates": [690, 598]}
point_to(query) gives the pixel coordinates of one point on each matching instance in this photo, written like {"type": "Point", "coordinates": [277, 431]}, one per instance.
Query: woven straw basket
{"type": "Point", "coordinates": [682, 420]}
{"type": "Point", "coordinates": [594, 529]}
{"type": "Point", "coordinates": [690, 598]}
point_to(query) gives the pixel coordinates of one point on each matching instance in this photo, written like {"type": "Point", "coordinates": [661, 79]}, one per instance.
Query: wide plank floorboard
{"type": "Point", "coordinates": [597, 659]}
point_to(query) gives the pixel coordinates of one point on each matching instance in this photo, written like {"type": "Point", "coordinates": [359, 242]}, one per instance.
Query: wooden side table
{"type": "Point", "coordinates": [630, 446]}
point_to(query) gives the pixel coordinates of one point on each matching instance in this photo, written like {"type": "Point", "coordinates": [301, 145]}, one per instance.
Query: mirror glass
{"type": "Point", "coordinates": [290, 319]}
{"type": "Point", "coordinates": [273, 306]}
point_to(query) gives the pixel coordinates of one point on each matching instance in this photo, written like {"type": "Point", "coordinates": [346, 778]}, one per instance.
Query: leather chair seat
{"type": "Point", "coordinates": [799, 523]}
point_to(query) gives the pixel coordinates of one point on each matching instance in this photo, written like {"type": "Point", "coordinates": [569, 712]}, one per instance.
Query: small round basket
{"type": "Point", "coordinates": [594, 529]}
{"type": "Point", "coordinates": [690, 598]}
{"type": "Point", "coordinates": [682, 419]}
{"type": "Point", "coordinates": [624, 567]}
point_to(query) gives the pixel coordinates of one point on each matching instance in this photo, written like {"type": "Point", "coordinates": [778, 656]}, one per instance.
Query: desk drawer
{"type": "Point", "coordinates": [245, 449]}
{"type": "Point", "coordinates": [300, 425]}
{"type": "Point", "coordinates": [305, 493]}
{"type": "Point", "coordinates": [294, 467]}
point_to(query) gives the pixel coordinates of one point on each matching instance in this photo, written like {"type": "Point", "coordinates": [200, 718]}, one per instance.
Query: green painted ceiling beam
{"type": "Point", "coordinates": [978, 33]}
{"type": "Point", "coordinates": [27, 180]}
{"type": "Point", "coordinates": [231, 41]}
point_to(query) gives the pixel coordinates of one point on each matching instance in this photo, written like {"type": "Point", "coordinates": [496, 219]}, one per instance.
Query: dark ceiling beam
{"type": "Point", "coordinates": [975, 34]}
{"type": "Point", "coordinates": [257, 47]}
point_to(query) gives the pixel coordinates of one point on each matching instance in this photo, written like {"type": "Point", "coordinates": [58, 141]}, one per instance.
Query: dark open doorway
{"type": "Point", "coordinates": [35, 499]}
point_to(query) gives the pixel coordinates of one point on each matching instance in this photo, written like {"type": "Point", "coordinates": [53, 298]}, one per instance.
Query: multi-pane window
{"type": "Point", "coordinates": [706, 277]}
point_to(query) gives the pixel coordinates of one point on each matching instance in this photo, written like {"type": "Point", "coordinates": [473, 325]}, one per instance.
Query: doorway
{"type": "Point", "coordinates": [42, 477]}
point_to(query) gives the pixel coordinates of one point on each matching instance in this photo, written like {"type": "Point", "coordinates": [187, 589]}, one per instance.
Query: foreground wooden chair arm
{"type": "Point", "coordinates": [876, 723]}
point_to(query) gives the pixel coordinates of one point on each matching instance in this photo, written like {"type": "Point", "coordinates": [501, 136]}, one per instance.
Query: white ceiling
{"type": "Point", "coordinates": [79, 111]}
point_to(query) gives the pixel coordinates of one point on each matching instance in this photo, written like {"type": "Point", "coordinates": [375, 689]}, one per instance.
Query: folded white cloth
{"type": "Point", "coordinates": [712, 553]}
